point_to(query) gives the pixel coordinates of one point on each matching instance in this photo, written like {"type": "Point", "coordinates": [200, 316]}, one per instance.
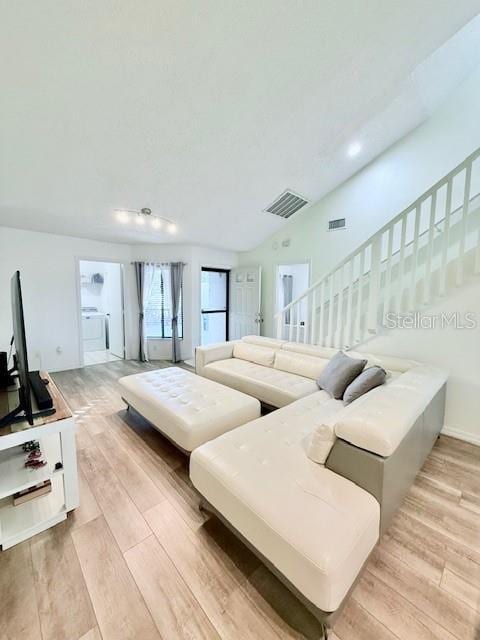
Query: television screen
{"type": "Point", "coordinates": [21, 360]}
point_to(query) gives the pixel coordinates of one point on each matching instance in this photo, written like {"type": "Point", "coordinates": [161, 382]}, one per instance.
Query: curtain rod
{"type": "Point", "coordinates": [159, 264]}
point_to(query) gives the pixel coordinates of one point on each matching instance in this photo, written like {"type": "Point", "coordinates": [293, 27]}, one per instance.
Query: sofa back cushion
{"type": "Point", "coordinates": [390, 363]}
{"type": "Point", "coordinates": [379, 420]}
{"type": "Point", "coordinates": [254, 353]}
{"type": "Point", "coordinates": [300, 364]}
{"type": "Point", "coordinates": [309, 349]}
{"type": "Point", "coordinates": [264, 341]}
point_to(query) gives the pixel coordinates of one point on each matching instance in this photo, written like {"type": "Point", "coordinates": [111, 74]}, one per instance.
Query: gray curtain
{"type": "Point", "coordinates": [144, 277]}
{"type": "Point", "coordinates": [287, 282]}
{"type": "Point", "coordinates": [176, 279]}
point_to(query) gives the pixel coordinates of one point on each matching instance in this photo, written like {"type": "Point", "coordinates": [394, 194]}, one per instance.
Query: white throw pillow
{"type": "Point", "coordinates": [324, 436]}
{"type": "Point", "coordinates": [253, 353]}
{"type": "Point", "coordinates": [321, 443]}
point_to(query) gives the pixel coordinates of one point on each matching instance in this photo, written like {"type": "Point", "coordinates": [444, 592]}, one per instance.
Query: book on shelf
{"type": "Point", "coordinates": [40, 489]}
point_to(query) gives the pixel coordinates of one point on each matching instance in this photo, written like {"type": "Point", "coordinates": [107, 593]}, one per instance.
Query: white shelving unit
{"type": "Point", "coordinates": [25, 520]}
{"type": "Point", "coordinates": [14, 476]}
{"type": "Point", "coordinates": [56, 434]}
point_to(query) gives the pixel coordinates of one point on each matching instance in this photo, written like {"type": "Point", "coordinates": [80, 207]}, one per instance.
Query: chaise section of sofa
{"type": "Point", "coordinates": [314, 525]}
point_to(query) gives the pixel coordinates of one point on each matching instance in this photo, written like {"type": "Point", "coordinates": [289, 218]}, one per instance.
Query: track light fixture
{"type": "Point", "coordinates": [142, 217]}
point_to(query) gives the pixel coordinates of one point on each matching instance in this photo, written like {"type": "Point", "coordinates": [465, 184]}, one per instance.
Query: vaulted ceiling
{"type": "Point", "coordinates": [207, 111]}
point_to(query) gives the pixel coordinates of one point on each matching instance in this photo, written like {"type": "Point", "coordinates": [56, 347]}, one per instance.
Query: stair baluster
{"type": "Point", "coordinates": [336, 310]}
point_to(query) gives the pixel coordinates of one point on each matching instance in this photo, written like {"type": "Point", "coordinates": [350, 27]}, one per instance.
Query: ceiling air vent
{"type": "Point", "coordinates": [286, 205]}
{"type": "Point", "coordinates": [334, 225]}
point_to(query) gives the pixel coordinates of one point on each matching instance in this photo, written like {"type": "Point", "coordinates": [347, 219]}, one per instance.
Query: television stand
{"type": "Point", "coordinates": [56, 434]}
{"type": "Point", "coordinates": [16, 415]}
{"type": "Point", "coordinates": [41, 400]}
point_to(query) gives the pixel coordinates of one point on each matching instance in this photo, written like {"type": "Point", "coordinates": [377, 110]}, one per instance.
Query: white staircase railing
{"type": "Point", "coordinates": [415, 258]}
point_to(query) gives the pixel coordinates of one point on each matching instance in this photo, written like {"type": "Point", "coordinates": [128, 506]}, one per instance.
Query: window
{"type": "Point", "coordinates": [214, 299]}
{"type": "Point", "coordinates": [158, 312]}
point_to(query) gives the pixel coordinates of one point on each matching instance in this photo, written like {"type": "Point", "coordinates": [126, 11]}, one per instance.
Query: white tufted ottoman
{"type": "Point", "coordinates": [187, 408]}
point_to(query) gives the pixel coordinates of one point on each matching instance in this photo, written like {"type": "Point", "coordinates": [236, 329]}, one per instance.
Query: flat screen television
{"type": "Point", "coordinates": [29, 383]}
{"type": "Point", "coordinates": [20, 342]}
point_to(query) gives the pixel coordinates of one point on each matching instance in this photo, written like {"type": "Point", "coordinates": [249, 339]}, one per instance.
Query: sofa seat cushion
{"type": "Point", "coordinates": [316, 527]}
{"type": "Point", "coordinates": [187, 408]}
{"type": "Point", "coordinates": [274, 387]}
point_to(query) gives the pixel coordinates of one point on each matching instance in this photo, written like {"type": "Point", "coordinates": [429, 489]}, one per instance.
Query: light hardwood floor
{"type": "Point", "coordinates": [138, 560]}
{"type": "Point", "coordinates": [99, 357]}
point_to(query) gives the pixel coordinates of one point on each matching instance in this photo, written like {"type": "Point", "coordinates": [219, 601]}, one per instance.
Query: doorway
{"type": "Point", "coordinates": [246, 298]}
{"type": "Point", "coordinates": [291, 280]}
{"type": "Point", "coordinates": [214, 305]}
{"type": "Point", "coordinates": [102, 311]}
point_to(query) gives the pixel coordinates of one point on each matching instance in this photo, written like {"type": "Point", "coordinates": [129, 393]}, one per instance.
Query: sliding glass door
{"type": "Point", "coordinates": [214, 304]}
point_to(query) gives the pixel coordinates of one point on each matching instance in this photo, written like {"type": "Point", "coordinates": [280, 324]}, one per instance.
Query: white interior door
{"type": "Point", "coordinates": [245, 300]}
{"type": "Point", "coordinates": [114, 308]}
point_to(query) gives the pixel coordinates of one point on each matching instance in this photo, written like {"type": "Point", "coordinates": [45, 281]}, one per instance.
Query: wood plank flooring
{"type": "Point", "coordinates": [138, 560]}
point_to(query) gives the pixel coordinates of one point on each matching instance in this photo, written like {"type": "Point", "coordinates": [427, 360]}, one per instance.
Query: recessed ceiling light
{"type": "Point", "coordinates": [123, 217]}
{"type": "Point", "coordinates": [172, 228]}
{"type": "Point", "coordinates": [354, 149]}
{"type": "Point", "coordinates": [139, 219]}
{"type": "Point", "coordinates": [156, 223]}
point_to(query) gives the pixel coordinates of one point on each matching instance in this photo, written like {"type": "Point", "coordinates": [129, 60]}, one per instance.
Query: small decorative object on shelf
{"type": "Point", "coordinates": [31, 445]}
{"type": "Point", "coordinates": [35, 464]}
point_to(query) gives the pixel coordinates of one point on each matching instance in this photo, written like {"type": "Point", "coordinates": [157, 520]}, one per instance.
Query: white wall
{"type": "Point", "coordinates": [455, 349]}
{"type": "Point", "coordinates": [48, 267]}
{"type": "Point", "coordinates": [367, 201]}
{"type": "Point", "coordinates": [374, 195]}
{"type": "Point", "coordinates": [50, 280]}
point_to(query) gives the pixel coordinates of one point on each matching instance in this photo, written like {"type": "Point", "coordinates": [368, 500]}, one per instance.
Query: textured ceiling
{"type": "Point", "coordinates": [207, 111]}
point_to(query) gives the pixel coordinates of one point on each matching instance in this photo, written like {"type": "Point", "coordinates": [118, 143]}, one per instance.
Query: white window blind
{"type": "Point", "coordinates": [158, 312]}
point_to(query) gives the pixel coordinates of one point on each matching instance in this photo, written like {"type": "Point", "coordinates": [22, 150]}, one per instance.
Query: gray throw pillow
{"type": "Point", "coordinates": [366, 381]}
{"type": "Point", "coordinates": [339, 373]}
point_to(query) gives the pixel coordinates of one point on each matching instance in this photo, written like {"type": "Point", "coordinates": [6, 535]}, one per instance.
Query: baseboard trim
{"type": "Point", "coordinates": [461, 435]}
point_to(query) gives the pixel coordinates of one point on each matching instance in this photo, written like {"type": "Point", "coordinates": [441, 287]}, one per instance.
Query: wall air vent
{"type": "Point", "coordinates": [334, 225]}
{"type": "Point", "coordinates": [286, 205]}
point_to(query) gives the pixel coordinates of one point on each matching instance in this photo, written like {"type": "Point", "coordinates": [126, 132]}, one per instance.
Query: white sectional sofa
{"type": "Point", "coordinates": [314, 525]}
{"type": "Point", "coordinates": [279, 373]}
